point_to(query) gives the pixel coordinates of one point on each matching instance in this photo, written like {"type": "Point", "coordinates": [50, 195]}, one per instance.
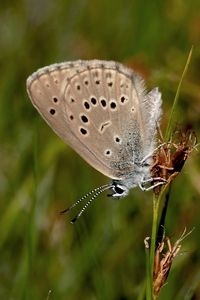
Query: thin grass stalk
{"type": "Point", "coordinates": [172, 114]}
{"type": "Point", "coordinates": [156, 205]}
{"type": "Point", "coordinates": [157, 199]}
{"type": "Point", "coordinates": [148, 270]}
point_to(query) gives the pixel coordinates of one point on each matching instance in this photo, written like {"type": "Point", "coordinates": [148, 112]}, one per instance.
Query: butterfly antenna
{"type": "Point", "coordinates": [97, 191]}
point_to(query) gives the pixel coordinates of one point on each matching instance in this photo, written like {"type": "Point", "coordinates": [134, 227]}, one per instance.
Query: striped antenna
{"type": "Point", "coordinates": [94, 193]}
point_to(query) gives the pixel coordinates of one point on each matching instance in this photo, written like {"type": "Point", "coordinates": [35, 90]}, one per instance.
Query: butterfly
{"type": "Point", "coordinates": [102, 110]}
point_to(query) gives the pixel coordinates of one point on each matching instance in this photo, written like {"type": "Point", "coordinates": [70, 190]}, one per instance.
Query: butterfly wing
{"type": "Point", "coordinates": [99, 108]}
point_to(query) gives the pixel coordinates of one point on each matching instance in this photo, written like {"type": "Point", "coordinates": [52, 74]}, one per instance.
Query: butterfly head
{"type": "Point", "coordinates": [119, 189]}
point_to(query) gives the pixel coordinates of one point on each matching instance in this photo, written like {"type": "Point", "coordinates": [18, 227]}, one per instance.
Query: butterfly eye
{"type": "Point", "coordinates": [119, 190]}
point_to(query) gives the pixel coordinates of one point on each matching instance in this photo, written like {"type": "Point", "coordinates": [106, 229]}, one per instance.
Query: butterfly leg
{"type": "Point", "coordinates": [160, 180]}
{"type": "Point", "coordinates": [151, 154]}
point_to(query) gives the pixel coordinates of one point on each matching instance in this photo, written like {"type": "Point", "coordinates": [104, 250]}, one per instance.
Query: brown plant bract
{"type": "Point", "coordinates": [163, 261]}
{"type": "Point", "coordinates": [170, 157]}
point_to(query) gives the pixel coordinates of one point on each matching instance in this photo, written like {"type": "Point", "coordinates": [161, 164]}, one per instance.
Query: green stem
{"type": "Point", "coordinates": [148, 272]}
{"type": "Point", "coordinates": [171, 118]}
{"type": "Point", "coordinates": [154, 232]}
{"type": "Point", "coordinates": [156, 206]}
{"type": "Point", "coordinates": [157, 200]}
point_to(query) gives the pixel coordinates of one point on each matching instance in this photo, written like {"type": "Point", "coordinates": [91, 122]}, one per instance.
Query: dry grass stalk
{"type": "Point", "coordinates": [163, 261]}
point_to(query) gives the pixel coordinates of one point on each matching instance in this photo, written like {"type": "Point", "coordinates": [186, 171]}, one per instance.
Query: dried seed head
{"type": "Point", "coordinates": [163, 260]}
{"type": "Point", "coordinates": [171, 157]}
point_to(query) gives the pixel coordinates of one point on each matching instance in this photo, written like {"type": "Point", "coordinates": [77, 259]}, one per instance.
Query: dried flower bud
{"type": "Point", "coordinates": [163, 261]}
{"type": "Point", "coordinates": [170, 157]}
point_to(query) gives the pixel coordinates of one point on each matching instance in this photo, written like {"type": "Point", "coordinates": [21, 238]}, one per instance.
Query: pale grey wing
{"type": "Point", "coordinates": [46, 89]}
{"type": "Point", "coordinates": [86, 104]}
{"type": "Point", "coordinates": [151, 111]}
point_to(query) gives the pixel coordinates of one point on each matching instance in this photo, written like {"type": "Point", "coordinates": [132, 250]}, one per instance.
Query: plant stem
{"type": "Point", "coordinates": [154, 231]}
{"type": "Point", "coordinates": [148, 272]}
{"type": "Point", "coordinates": [150, 261]}
{"type": "Point", "coordinates": [169, 125]}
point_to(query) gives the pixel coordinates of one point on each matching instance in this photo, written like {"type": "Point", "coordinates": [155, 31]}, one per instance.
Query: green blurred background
{"type": "Point", "coordinates": [43, 256]}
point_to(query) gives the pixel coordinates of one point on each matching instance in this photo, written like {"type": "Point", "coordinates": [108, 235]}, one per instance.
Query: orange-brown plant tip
{"type": "Point", "coordinates": [170, 157]}
{"type": "Point", "coordinates": [163, 260]}
{"type": "Point", "coordinates": [162, 264]}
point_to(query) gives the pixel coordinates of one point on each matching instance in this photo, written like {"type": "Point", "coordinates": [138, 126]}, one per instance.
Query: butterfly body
{"type": "Point", "coordinates": [101, 109]}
